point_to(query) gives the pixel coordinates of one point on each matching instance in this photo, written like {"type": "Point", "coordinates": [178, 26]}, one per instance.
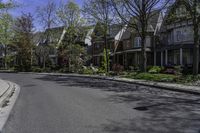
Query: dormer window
{"type": "Point", "coordinates": [181, 11]}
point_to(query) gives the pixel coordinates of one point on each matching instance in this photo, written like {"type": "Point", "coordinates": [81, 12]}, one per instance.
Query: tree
{"type": "Point", "coordinates": [6, 5]}
{"type": "Point", "coordinates": [69, 15]}
{"type": "Point", "coordinates": [193, 6]}
{"type": "Point", "coordinates": [23, 39]}
{"type": "Point", "coordinates": [47, 17]}
{"type": "Point", "coordinates": [102, 12]}
{"type": "Point", "coordinates": [136, 14]}
{"type": "Point", "coordinates": [6, 33]}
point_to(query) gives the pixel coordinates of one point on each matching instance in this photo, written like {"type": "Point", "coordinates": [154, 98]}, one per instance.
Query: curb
{"type": "Point", "coordinates": [10, 99]}
{"type": "Point", "coordinates": [159, 85]}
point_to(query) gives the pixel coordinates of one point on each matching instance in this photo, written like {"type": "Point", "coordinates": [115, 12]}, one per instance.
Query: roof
{"type": "Point", "coordinates": [37, 38]}
{"type": "Point", "coordinates": [126, 34]}
{"type": "Point", "coordinates": [114, 30]}
{"type": "Point", "coordinates": [88, 38]}
{"type": "Point", "coordinates": [154, 25]}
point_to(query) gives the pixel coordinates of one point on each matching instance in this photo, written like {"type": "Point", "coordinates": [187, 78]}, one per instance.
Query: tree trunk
{"type": "Point", "coordinates": [196, 50]}
{"type": "Point", "coordinates": [144, 56]}
{"type": "Point", "coordinates": [107, 56]}
{"type": "Point", "coordinates": [44, 62]}
{"type": "Point", "coordinates": [5, 57]}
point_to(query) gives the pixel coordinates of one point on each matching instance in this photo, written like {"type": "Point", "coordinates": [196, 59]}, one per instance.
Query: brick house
{"type": "Point", "coordinates": [98, 45]}
{"type": "Point", "coordinates": [176, 37]}
{"type": "Point", "coordinates": [128, 52]}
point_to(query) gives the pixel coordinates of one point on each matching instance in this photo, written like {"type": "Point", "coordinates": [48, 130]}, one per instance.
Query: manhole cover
{"type": "Point", "coordinates": [141, 108]}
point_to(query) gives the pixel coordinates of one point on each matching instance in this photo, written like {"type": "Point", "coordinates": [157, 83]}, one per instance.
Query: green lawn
{"type": "Point", "coordinates": [153, 77]}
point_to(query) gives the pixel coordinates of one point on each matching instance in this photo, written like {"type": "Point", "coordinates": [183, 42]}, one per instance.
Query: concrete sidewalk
{"type": "Point", "coordinates": [4, 86]}
{"type": "Point", "coordinates": [8, 95]}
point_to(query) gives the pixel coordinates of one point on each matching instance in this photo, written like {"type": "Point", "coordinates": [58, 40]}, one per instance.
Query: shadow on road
{"type": "Point", "coordinates": [163, 111]}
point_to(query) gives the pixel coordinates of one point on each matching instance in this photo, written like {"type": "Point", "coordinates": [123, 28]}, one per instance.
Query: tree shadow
{"type": "Point", "coordinates": [163, 111]}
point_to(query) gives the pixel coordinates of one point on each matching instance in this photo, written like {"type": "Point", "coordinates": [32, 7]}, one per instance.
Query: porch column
{"type": "Point", "coordinates": [117, 59]}
{"type": "Point", "coordinates": [125, 61]}
{"type": "Point", "coordinates": [154, 58]}
{"type": "Point", "coordinates": [181, 56]}
{"type": "Point", "coordinates": [166, 57]}
{"type": "Point", "coordinates": [161, 57]}
{"type": "Point", "coordinates": [136, 59]}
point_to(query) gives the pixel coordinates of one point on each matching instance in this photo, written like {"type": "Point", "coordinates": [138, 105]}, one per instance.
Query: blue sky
{"type": "Point", "coordinates": [31, 5]}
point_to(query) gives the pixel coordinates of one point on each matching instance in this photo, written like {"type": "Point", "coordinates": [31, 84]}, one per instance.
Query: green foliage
{"type": "Point", "coordinates": [156, 77]}
{"type": "Point", "coordinates": [36, 69]}
{"type": "Point", "coordinates": [188, 79]}
{"type": "Point", "coordinates": [152, 77]}
{"type": "Point", "coordinates": [155, 69]}
{"type": "Point", "coordinates": [134, 68]}
{"type": "Point", "coordinates": [178, 69]}
{"type": "Point", "coordinates": [23, 29]}
{"type": "Point", "coordinates": [69, 14]}
{"type": "Point", "coordinates": [64, 70]}
{"type": "Point", "coordinates": [101, 71]}
{"type": "Point", "coordinates": [6, 35]}
{"type": "Point", "coordinates": [9, 59]}
{"type": "Point", "coordinates": [39, 69]}
{"type": "Point", "coordinates": [106, 60]}
{"type": "Point", "coordinates": [88, 70]}
{"type": "Point", "coordinates": [76, 55]}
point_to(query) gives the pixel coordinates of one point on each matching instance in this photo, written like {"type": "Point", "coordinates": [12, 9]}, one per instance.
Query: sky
{"type": "Point", "coordinates": [29, 6]}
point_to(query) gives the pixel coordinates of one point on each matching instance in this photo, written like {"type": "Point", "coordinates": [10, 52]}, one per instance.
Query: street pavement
{"type": "Point", "coordinates": [59, 104]}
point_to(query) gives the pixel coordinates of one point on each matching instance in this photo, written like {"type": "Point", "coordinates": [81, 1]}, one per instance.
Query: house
{"type": "Point", "coordinates": [176, 37]}
{"type": "Point", "coordinates": [56, 37]}
{"type": "Point", "coordinates": [10, 54]}
{"type": "Point", "coordinates": [128, 51]}
{"type": "Point", "coordinates": [46, 49]}
{"type": "Point", "coordinates": [98, 42]}
{"type": "Point", "coordinates": [1, 55]}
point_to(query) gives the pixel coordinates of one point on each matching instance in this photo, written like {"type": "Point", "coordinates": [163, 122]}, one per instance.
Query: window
{"type": "Point", "coordinates": [137, 42]}
{"type": "Point", "coordinates": [170, 38]}
{"type": "Point", "coordinates": [181, 11]}
{"type": "Point", "coordinates": [178, 35]}
{"type": "Point", "coordinates": [97, 46]}
{"type": "Point", "coordinates": [148, 41]}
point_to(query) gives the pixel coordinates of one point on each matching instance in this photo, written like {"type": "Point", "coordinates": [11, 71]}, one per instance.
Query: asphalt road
{"type": "Point", "coordinates": [52, 104]}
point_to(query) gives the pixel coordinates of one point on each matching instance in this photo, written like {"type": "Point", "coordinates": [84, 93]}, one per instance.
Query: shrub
{"type": "Point", "coordinates": [135, 68]}
{"type": "Point", "coordinates": [155, 69]}
{"type": "Point", "coordinates": [47, 69]}
{"type": "Point", "coordinates": [178, 69]}
{"type": "Point", "coordinates": [36, 69]}
{"type": "Point", "coordinates": [187, 70]}
{"type": "Point", "coordinates": [87, 70]}
{"type": "Point", "coordinates": [64, 70]}
{"type": "Point", "coordinates": [169, 71]}
{"type": "Point", "coordinates": [117, 68]}
{"type": "Point", "coordinates": [101, 71]}
{"type": "Point", "coordinates": [156, 77]}
{"type": "Point", "coordinates": [188, 78]}
{"type": "Point", "coordinates": [149, 67]}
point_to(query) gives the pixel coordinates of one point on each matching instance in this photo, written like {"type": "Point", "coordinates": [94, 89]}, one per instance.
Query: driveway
{"type": "Point", "coordinates": [58, 104]}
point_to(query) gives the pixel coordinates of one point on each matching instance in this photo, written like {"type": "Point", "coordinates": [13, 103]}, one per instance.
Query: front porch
{"type": "Point", "coordinates": [132, 58]}
{"type": "Point", "coordinates": [176, 57]}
